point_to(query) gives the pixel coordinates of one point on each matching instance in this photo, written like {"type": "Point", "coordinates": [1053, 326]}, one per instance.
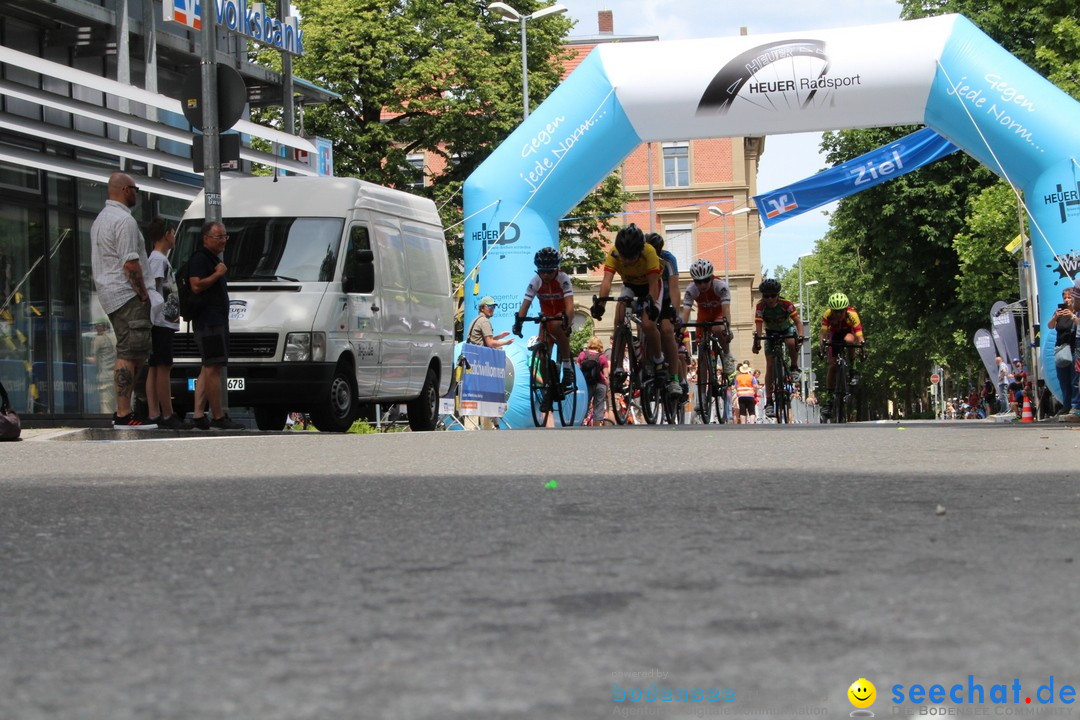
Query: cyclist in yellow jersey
{"type": "Point", "coordinates": [636, 262]}
{"type": "Point", "coordinates": [840, 323]}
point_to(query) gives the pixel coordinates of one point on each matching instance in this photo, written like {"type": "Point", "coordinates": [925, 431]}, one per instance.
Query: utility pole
{"type": "Point", "coordinates": [211, 131]}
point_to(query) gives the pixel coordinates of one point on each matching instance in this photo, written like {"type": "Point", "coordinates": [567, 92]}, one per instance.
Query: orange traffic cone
{"type": "Point", "coordinates": [1026, 415]}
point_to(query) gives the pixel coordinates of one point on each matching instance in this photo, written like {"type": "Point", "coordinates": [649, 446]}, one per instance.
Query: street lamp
{"type": "Point", "coordinates": [713, 210]}
{"type": "Point", "coordinates": [509, 14]}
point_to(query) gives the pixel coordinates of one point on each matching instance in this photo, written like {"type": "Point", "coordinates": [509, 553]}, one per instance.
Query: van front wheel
{"type": "Point", "coordinates": [424, 410]}
{"type": "Point", "coordinates": [338, 409]}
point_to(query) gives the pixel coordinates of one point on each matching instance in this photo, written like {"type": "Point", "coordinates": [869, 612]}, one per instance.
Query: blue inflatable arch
{"type": "Point", "coordinates": [942, 72]}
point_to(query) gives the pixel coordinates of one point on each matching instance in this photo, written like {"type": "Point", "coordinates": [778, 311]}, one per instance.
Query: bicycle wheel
{"type": "Point", "coordinates": [778, 390]}
{"type": "Point", "coordinates": [621, 390]}
{"type": "Point", "coordinates": [650, 394]}
{"type": "Point", "coordinates": [704, 403]}
{"type": "Point", "coordinates": [568, 404]}
{"type": "Point", "coordinates": [720, 383]}
{"type": "Point", "coordinates": [539, 393]}
{"type": "Point", "coordinates": [839, 402]}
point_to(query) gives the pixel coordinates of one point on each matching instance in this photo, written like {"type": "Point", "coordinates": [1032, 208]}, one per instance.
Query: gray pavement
{"type": "Point", "coordinates": [436, 576]}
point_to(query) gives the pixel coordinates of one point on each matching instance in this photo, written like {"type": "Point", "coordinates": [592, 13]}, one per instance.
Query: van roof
{"type": "Point", "coordinates": [313, 197]}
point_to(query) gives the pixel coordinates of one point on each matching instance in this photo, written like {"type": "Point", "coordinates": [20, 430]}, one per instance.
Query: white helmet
{"type": "Point", "coordinates": [701, 269]}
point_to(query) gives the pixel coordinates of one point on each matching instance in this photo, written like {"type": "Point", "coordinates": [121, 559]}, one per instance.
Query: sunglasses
{"type": "Point", "coordinates": [769, 297]}
{"type": "Point", "coordinates": [702, 282]}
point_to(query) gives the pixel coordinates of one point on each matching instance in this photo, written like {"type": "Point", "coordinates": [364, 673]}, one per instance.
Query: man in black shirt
{"type": "Point", "coordinates": [206, 273]}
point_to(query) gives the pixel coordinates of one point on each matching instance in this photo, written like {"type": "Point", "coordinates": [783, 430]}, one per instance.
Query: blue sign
{"type": "Point", "coordinates": [483, 388]}
{"type": "Point", "coordinates": [906, 154]}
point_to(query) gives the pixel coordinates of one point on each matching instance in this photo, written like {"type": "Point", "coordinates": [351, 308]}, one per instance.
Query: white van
{"type": "Point", "coordinates": [339, 298]}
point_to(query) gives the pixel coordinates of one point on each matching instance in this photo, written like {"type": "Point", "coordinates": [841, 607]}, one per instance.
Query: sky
{"type": "Point", "coordinates": [787, 158]}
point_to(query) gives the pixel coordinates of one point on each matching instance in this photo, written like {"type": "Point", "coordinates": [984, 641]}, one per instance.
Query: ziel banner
{"type": "Point", "coordinates": [906, 154]}
{"type": "Point", "coordinates": [483, 389]}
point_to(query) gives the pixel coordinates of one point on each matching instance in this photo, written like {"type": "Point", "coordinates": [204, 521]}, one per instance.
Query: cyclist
{"type": "Point", "coordinates": [713, 303]}
{"type": "Point", "coordinates": [637, 263]}
{"type": "Point", "coordinates": [556, 294]}
{"type": "Point", "coordinates": [669, 278]}
{"type": "Point", "coordinates": [839, 324]}
{"type": "Point", "coordinates": [780, 315]}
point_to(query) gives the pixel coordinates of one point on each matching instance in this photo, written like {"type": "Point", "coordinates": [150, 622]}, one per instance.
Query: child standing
{"type": "Point", "coordinates": [164, 313]}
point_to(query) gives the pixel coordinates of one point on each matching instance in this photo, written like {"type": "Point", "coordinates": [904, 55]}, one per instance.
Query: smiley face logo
{"type": "Point", "coordinates": [862, 693]}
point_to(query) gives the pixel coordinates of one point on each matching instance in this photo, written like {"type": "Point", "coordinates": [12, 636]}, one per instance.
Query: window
{"type": "Point", "coordinates": [676, 164]}
{"type": "Point", "coordinates": [416, 179]}
{"type": "Point", "coordinates": [679, 241]}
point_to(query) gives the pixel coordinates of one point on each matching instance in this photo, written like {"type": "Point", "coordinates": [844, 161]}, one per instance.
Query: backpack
{"type": "Point", "coordinates": [591, 370]}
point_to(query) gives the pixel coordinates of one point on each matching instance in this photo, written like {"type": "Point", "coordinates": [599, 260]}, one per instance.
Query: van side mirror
{"type": "Point", "coordinates": [359, 272]}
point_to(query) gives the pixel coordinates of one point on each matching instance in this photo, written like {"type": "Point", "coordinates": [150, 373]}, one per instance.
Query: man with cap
{"type": "Point", "coordinates": [481, 333]}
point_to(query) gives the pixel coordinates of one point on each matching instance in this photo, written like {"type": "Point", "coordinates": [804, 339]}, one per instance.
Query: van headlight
{"type": "Point", "coordinates": [305, 347]}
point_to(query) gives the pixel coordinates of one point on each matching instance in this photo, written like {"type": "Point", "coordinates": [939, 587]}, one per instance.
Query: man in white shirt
{"type": "Point", "coordinates": [118, 259]}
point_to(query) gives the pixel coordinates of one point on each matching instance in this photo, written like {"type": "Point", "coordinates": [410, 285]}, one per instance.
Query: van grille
{"type": "Point", "coordinates": [241, 345]}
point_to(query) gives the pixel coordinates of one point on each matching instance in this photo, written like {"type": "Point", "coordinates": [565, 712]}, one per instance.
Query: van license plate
{"type": "Point", "coordinates": [236, 383]}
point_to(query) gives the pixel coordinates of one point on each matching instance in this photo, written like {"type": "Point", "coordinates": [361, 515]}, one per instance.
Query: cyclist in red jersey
{"type": "Point", "coordinates": [840, 324]}
{"type": "Point", "coordinates": [782, 316]}
{"type": "Point", "coordinates": [556, 293]}
{"type": "Point", "coordinates": [713, 300]}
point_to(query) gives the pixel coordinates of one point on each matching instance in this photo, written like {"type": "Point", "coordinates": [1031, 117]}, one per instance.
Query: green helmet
{"type": "Point", "coordinates": [838, 301]}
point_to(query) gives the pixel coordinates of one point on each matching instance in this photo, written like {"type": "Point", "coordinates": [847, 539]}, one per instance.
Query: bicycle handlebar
{"type": "Point", "coordinates": [768, 334]}
{"type": "Point", "coordinates": [709, 324]}
{"type": "Point", "coordinates": [543, 318]}
{"type": "Point", "coordinates": [832, 343]}
{"type": "Point", "coordinates": [612, 298]}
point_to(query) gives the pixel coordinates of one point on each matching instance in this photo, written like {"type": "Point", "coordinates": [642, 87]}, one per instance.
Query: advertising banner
{"type": "Point", "coordinates": [483, 388]}
{"type": "Point", "coordinates": [888, 162]}
{"type": "Point", "coordinates": [984, 343]}
{"type": "Point", "coordinates": [1006, 334]}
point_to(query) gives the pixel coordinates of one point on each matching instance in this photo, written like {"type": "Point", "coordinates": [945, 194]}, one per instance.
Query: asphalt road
{"type": "Point", "coordinates": [438, 576]}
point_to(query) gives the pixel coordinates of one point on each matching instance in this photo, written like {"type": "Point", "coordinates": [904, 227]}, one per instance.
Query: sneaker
{"type": "Point", "coordinates": [684, 390]}
{"type": "Point", "coordinates": [796, 374]}
{"type": "Point", "coordinates": [225, 423]}
{"type": "Point", "coordinates": [568, 378]}
{"type": "Point", "coordinates": [674, 388]}
{"type": "Point", "coordinates": [1073, 417]}
{"type": "Point", "coordinates": [171, 423]}
{"type": "Point", "coordinates": [131, 422]}
{"type": "Point", "coordinates": [770, 412]}
{"type": "Point", "coordinates": [200, 423]}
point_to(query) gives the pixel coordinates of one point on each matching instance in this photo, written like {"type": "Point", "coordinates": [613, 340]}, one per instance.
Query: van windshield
{"type": "Point", "coordinates": [291, 249]}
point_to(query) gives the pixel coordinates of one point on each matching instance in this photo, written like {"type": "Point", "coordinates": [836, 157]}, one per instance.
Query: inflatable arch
{"type": "Point", "coordinates": [942, 72]}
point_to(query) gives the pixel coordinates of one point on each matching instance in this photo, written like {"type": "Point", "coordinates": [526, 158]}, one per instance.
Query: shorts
{"type": "Point", "coordinates": [598, 393]}
{"type": "Point", "coordinates": [746, 405]}
{"type": "Point", "coordinates": [131, 324]}
{"type": "Point", "coordinates": [838, 339]}
{"type": "Point", "coordinates": [788, 332]}
{"type": "Point", "coordinates": [213, 343]}
{"type": "Point", "coordinates": [638, 291]}
{"type": "Point", "coordinates": [162, 353]}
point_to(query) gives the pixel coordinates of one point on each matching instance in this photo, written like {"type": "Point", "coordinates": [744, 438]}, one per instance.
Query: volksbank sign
{"type": "Point", "coordinates": [236, 16]}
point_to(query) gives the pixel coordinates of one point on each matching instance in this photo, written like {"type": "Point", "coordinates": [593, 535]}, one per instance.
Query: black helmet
{"type": "Point", "coordinates": [769, 286]}
{"type": "Point", "coordinates": [547, 258]}
{"type": "Point", "coordinates": [630, 242]}
{"type": "Point", "coordinates": [656, 240]}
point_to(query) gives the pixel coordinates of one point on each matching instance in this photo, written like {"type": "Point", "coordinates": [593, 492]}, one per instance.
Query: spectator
{"type": "Point", "coordinates": [481, 333]}
{"type": "Point", "coordinates": [206, 275]}
{"type": "Point", "coordinates": [163, 314]}
{"type": "Point", "coordinates": [1074, 306]}
{"type": "Point", "coordinates": [1016, 386]}
{"type": "Point", "coordinates": [746, 392]}
{"type": "Point", "coordinates": [1004, 379]}
{"type": "Point", "coordinates": [120, 267]}
{"type": "Point", "coordinates": [988, 396]}
{"type": "Point", "coordinates": [1064, 322]}
{"type": "Point", "coordinates": [594, 350]}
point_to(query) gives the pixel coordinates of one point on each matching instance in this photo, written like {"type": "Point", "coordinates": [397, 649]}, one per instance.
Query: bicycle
{"type": "Point", "coordinates": [712, 388]}
{"type": "Point", "coordinates": [780, 392]}
{"type": "Point", "coordinates": [545, 389]}
{"type": "Point", "coordinates": [842, 381]}
{"type": "Point", "coordinates": [633, 379]}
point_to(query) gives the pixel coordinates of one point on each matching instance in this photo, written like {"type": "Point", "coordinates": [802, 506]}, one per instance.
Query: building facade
{"type": "Point", "coordinates": [88, 88]}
